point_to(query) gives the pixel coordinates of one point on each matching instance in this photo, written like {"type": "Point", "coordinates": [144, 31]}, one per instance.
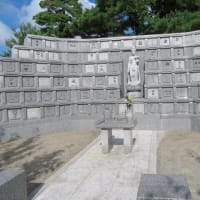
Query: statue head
{"type": "Point", "coordinates": [133, 50]}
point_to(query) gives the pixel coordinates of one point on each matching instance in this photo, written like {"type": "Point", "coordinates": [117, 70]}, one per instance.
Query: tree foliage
{"type": "Point", "coordinates": [58, 17]}
{"type": "Point", "coordinates": [19, 36]}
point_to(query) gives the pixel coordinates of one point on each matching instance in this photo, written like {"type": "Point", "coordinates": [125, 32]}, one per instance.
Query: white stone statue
{"type": "Point", "coordinates": [133, 69]}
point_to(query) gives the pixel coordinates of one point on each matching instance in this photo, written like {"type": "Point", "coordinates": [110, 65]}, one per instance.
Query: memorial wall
{"type": "Point", "coordinates": [53, 78]}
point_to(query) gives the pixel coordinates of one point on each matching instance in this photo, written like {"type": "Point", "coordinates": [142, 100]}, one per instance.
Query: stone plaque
{"type": "Point", "coordinates": [73, 82]}
{"type": "Point", "coordinates": [99, 94]}
{"type": "Point", "coordinates": [116, 44]}
{"type": "Point", "coordinates": [49, 111]}
{"type": "Point", "coordinates": [103, 56]}
{"type": "Point", "coordinates": [14, 114]}
{"type": "Point", "coordinates": [11, 82]}
{"type": "Point", "coordinates": [113, 94]}
{"type": "Point", "coordinates": [84, 109]}
{"type": "Point", "coordinates": [93, 45]}
{"type": "Point", "coordinates": [58, 82]}
{"type": "Point", "coordinates": [36, 43]}
{"type": "Point", "coordinates": [44, 82]}
{"type": "Point", "coordinates": [167, 108]}
{"type": "Point", "coordinates": [182, 108]}
{"type": "Point", "coordinates": [139, 43]}
{"type": "Point", "coordinates": [88, 82]}
{"type": "Point", "coordinates": [73, 46]}
{"type": "Point", "coordinates": [182, 93]}
{"type": "Point", "coordinates": [13, 97]}
{"type": "Point", "coordinates": [152, 42]}
{"type": "Point", "coordinates": [151, 66]}
{"type": "Point", "coordinates": [26, 67]}
{"type": "Point", "coordinates": [92, 57]}
{"type": "Point", "coordinates": [178, 52]}
{"type": "Point", "coordinates": [152, 79]}
{"type": "Point", "coordinates": [113, 81]}
{"type": "Point", "coordinates": [196, 51]}
{"type": "Point", "coordinates": [102, 68]}
{"type": "Point", "coordinates": [33, 113]}
{"type": "Point", "coordinates": [62, 95]}
{"type": "Point", "coordinates": [100, 80]}
{"type": "Point", "coordinates": [105, 45]}
{"type": "Point", "coordinates": [152, 93]}
{"type": "Point", "coordinates": [166, 79]}
{"type": "Point", "coordinates": [39, 55]}
{"type": "Point", "coordinates": [28, 81]}
{"type": "Point", "coordinates": [196, 64]}
{"type": "Point", "coordinates": [72, 57]}
{"type": "Point", "coordinates": [153, 108]}
{"type": "Point", "coordinates": [195, 77]}
{"type": "Point", "coordinates": [9, 67]}
{"type": "Point", "coordinates": [42, 68]}
{"type": "Point", "coordinates": [57, 69]}
{"type": "Point", "coordinates": [89, 69]}
{"type": "Point", "coordinates": [85, 94]}
{"type": "Point", "coordinates": [30, 97]}
{"type": "Point", "coordinates": [114, 68]}
{"type": "Point", "coordinates": [165, 53]}
{"type": "Point", "coordinates": [1, 82]}
{"type": "Point", "coordinates": [164, 41]}
{"type": "Point", "coordinates": [50, 44]}
{"type": "Point", "coordinates": [152, 53]}
{"type": "Point", "coordinates": [180, 78]}
{"type": "Point", "coordinates": [115, 56]}
{"type": "Point", "coordinates": [65, 110]}
{"type": "Point", "coordinates": [166, 65]}
{"type": "Point", "coordinates": [128, 43]}
{"type": "Point", "coordinates": [47, 96]}
{"type": "Point", "coordinates": [179, 64]}
{"type": "Point", "coordinates": [24, 54]}
{"type": "Point", "coordinates": [72, 69]}
{"type": "Point", "coordinates": [53, 56]}
{"type": "Point", "coordinates": [167, 93]}
{"type": "Point", "coordinates": [177, 40]}
{"type": "Point", "coordinates": [75, 95]}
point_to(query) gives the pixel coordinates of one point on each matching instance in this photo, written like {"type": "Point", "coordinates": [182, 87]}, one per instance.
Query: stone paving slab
{"type": "Point", "coordinates": [97, 176]}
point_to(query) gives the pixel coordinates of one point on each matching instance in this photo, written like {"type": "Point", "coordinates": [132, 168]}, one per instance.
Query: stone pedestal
{"type": "Point", "coordinates": [128, 141]}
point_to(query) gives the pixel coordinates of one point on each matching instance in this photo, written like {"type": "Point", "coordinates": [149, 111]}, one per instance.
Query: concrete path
{"type": "Point", "coordinates": [97, 176]}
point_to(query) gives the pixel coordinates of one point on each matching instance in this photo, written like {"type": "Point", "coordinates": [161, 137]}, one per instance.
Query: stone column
{"type": "Point", "coordinates": [106, 140]}
{"type": "Point", "coordinates": [128, 141]}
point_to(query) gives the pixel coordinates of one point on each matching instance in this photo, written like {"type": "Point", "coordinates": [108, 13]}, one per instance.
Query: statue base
{"type": "Point", "coordinates": [134, 91]}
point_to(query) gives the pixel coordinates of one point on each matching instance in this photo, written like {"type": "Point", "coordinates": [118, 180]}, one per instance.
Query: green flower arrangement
{"type": "Point", "coordinates": [129, 102]}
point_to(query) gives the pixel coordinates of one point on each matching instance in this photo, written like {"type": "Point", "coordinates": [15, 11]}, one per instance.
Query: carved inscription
{"type": "Point", "coordinates": [102, 68]}
{"type": "Point", "coordinates": [58, 82]}
{"type": "Point", "coordinates": [167, 93]}
{"type": "Point", "coordinates": [33, 113]}
{"type": "Point", "coordinates": [11, 82]}
{"type": "Point", "coordinates": [152, 93]}
{"type": "Point", "coordinates": [13, 97]}
{"type": "Point", "coordinates": [14, 114]}
{"type": "Point", "coordinates": [62, 95]}
{"type": "Point", "coordinates": [30, 97]}
{"type": "Point", "coordinates": [113, 81]}
{"type": "Point", "coordinates": [28, 81]}
{"type": "Point", "coordinates": [26, 68]}
{"type": "Point", "coordinates": [73, 46]}
{"type": "Point", "coordinates": [36, 43]}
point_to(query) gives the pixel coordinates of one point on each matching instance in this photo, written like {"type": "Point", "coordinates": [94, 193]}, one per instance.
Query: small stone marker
{"type": "Point", "coordinates": [163, 187]}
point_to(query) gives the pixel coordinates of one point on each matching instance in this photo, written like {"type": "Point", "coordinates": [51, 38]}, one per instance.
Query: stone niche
{"type": "Point", "coordinates": [177, 40]}
{"type": "Point", "coordinates": [180, 78]}
{"type": "Point", "coordinates": [33, 113]}
{"type": "Point", "coordinates": [165, 79]}
{"type": "Point", "coordinates": [100, 81]}
{"type": "Point", "coordinates": [182, 93]}
{"type": "Point", "coordinates": [99, 94]}
{"type": "Point", "coordinates": [166, 65]}
{"type": "Point", "coordinates": [11, 82]}
{"type": "Point", "coordinates": [90, 69]}
{"type": "Point", "coordinates": [101, 68]}
{"type": "Point", "coordinates": [44, 82]}
{"type": "Point", "coordinates": [28, 82]}
{"type": "Point", "coordinates": [165, 53]}
{"type": "Point", "coordinates": [24, 54]}
{"type": "Point", "coordinates": [196, 64]}
{"type": "Point", "coordinates": [40, 55]}
{"type": "Point", "coordinates": [54, 56]}
{"type": "Point", "coordinates": [195, 77]}
{"type": "Point", "coordinates": [196, 51]}
{"type": "Point", "coordinates": [58, 82]}
{"type": "Point", "coordinates": [9, 67]}
{"type": "Point", "coordinates": [164, 41]}
{"type": "Point", "coordinates": [85, 95]}
{"type": "Point", "coordinates": [113, 81]}
{"type": "Point", "coordinates": [151, 66]}
{"type": "Point", "coordinates": [104, 56]}
{"type": "Point", "coordinates": [113, 94]}
{"type": "Point", "coordinates": [152, 93]}
{"type": "Point", "coordinates": [91, 57]}
{"type": "Point", "coordinates": [27, 68]}
{"type": "Point", "coordinates": [152, 42]}
{"type": "Point", "coordinates": [178, 52]}
{"type": "Point", "coordinates": [167, 93]}
{"type": "Point", "coordinates": [88, 81]}
{"type": "Point", "coordinates": [105, 45]}
{"type": "Point", "coordinates": [139, 43]}
{"type": "Point", "coordinates": [56, 69]}
{"type": "Point", "coordinates": [151, 79]}
{"type": "Point", "coordinates": [13, 97]}
{"type": "Point", "coordinates": [153, 53]}
{"type": "Point", "coordinates": [73, 83]}
{"type": "Point", "coordinates": [179, 64]}
{"type": "Point", "coordinates": [75, 95]}
{"type": "Point", "coordinates": [15, 114]}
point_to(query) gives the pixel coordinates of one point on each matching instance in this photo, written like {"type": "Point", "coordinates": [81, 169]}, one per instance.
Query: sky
{"type": "Point", "coordinates": [14, 12]}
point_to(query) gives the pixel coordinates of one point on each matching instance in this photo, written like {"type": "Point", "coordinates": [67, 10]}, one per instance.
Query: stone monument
{"type": "Point", "coordinates": [133, 76]}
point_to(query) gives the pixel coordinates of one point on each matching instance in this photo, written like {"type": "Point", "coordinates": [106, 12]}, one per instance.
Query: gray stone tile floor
{"type": "Point", "coordinates": [97, 176]}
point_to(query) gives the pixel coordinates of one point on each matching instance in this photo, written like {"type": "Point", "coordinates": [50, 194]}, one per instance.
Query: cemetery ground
{"type": "Point", "coordinates": [41, 156]}
{"type": "Point", "coordinates": [179, 153]}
